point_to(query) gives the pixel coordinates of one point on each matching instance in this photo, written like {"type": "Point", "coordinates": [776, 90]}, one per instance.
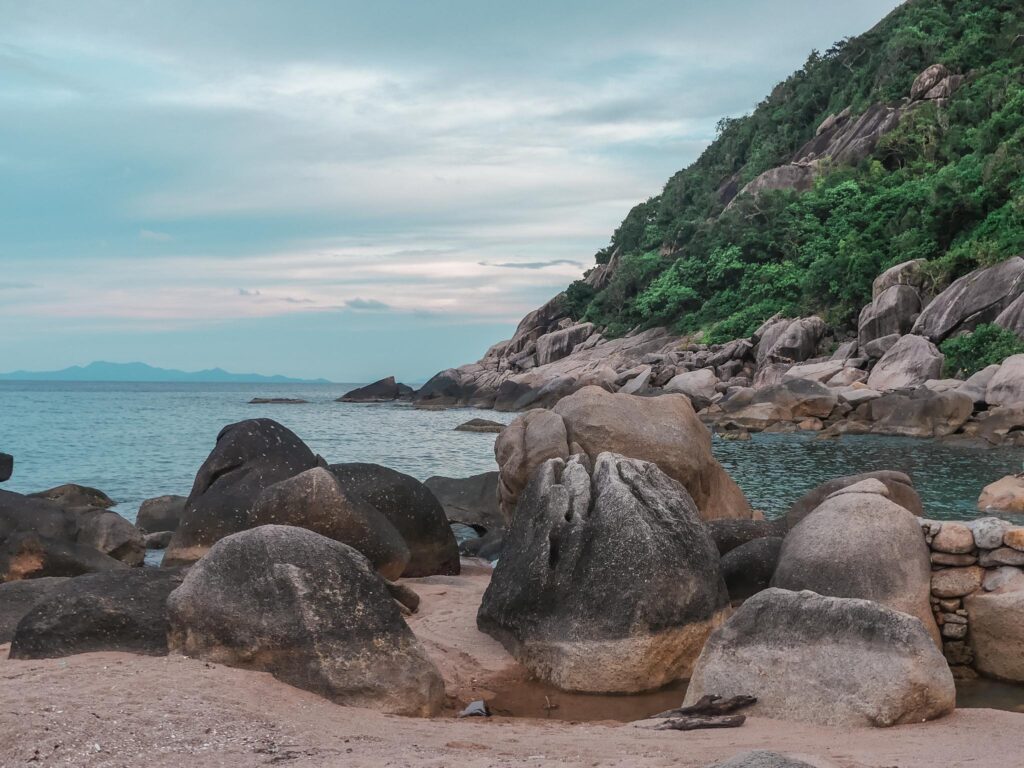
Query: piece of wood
{"type": "Point", "coordinates": [698, 723]}
{"type": "Point", "coordinates": [710, 705]}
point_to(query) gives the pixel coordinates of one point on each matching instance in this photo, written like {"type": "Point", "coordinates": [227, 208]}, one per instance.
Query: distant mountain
{"type": "Point", "coordinates": [140, 372]}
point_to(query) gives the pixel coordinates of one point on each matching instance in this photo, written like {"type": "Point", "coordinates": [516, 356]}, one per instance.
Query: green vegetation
{"type": "Point", "coordinates": [946, 186]}
{"type": "Point", "coordinates": [985, 346]}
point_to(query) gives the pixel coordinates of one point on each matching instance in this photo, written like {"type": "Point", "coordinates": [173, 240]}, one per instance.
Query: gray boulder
{"type": "Point", "coordinates": [899, 485]}
{"type": "Point", "coordinates": [927, 80]}
{"type": "Point", "coordinates": [906, 273]}
{"type": "Point", "coordinates": [481, 425]}
{"type": "Point", "coordinates": [828, 660]}
{"type": "Point", "coordinates": [997, 631]}
{"type": "Point", "coordinates": [525, 444]}
{"type": "Point", "coordinates": [876, 349]}
{"type": "Point", "coordinates": [748, 569]}
{"type": "Point", "coordinates": [1012, 318]}
{"type": "Point", "coordinates": [892, 311]}
{"type": "Point", "coordinates": [309, 610]}
{"type": "Point", "coordinates": [470, 500]}
{"type": "Point", "coordinates": [1006, 387]}
{"type": "Point", "coordinates": [112, 535]}
{"type": "Point", "coordinates": [383, 391]}
{"type": "Point", "coordinates": [921, 413]}
{"type": "Point", "coordinates": [558, 344]}
{"type": "Point", "coordinates": [75, 497]}
{"type": "Point", "coordinates": [19, 597]}
{"type": "Point", "coordinates": [608, 580]}
{"type": "Point", "coordinates": [976, 298]}
{"type": "Point", "coordinates": [6, 466]}
{"type": "Point", "coordinates": [729, 534]}
{"type": "Point", "coordinates": [315, 500]}
{"type": "Point", "coordinates": [699, 386]}
{"type": "Point", "coordinates": [910, 362]}
{"type": "Point", "coordinates": [789, 340]}
{"type": "Point", "coordinates": [162, 513]}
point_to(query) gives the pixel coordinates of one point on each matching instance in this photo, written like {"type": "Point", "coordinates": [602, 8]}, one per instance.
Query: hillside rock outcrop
{"type": "Point", "coordinates": [976, 298]}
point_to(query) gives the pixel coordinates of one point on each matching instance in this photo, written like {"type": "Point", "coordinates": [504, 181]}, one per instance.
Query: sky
{"type": "Point", "coordinates": [348, 190]}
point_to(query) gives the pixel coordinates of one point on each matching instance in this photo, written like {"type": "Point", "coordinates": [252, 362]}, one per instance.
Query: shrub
{"type": "Point", "coordinates": [986, 345]}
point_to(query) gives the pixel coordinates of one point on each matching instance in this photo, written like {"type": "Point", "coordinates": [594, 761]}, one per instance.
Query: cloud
{"type": "Point", "coordinates": [149, 234]}
{"type": "Point", "coordinates": [367, 305]}
{"type": "Point", "coordinates": [248, 292]}
{"type": "Point", "coordinates": [535, 264]}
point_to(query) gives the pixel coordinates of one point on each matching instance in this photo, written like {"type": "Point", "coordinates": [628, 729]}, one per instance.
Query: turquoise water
{"type": "Point", "coordinates": [135, 441]}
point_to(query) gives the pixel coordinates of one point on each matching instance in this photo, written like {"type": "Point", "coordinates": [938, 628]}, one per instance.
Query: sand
{"type": "Point", "coordinates": [115, 709]}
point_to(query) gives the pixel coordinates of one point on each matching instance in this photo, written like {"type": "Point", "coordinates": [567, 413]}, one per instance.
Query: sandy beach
{"type": "Point", "coordinates": [115, 709]}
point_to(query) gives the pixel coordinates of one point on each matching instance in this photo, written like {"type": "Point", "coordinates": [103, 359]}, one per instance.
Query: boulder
{"type": "Point", "coordinates": [112, 535]}
{"type": "Point", "coordinates": [698, 385]}
{"type": "Point", "coordinates": [906, 273]}
{"type": "Point", "coordinates": [524, 445]}
{"type": "Point", "coordinates": [731, 533]}
{"type": "Point", "coordinates": [162, 513]}
{"type": "Point", "coordinates": [927, 80]}
{"type": "Point", "coordinates": [827, 660]}
{"type": "Point", "coordinates": [73, 496]}
{"type": "Point", "coordinates": [791, 401]}
{"type": "Point", "coordinates": [820, 371]}
{"type": "Point", "coordinates": [910, 362]}
{"type": "Point", "coordinates": [6, 466]}
{"type": "Point", "coordinates": [113, 611]}
{"type": "Point", "coordinates": [480, 425]}
{"type": "Point", "coordinates": [412, 509]}
{"type": "Point", "coordinates": [19, 597]}
{"type": "Point", "coordinates": [876, 349]}
{"type": "Point", "coordinates": [471, 500]}
{"type": "Point", "coordinates": [315, 500]}
{"type": "Point", "coordinates": [158, 539]}
{"type": "Point", "coordinates": [383, 391]}
{"type": "Point", "coordinates": [997, 632]}
{"type": "Point", "coordinates": [664, 430]}
{"type": "Point", "coordinates": [27, 555]}
{"type": "Point", "coordinates": [899, 485]}
{"type": "Point", "coordinates": [1012, 318]}
{"type": "Point", "coordinates": [762, 759]}
{"type": "Point", "coordinates": [891, 312]}
{"type": "Point", "coordinates": [248, 457]}
{"type": "Point", "coordinates": [558, 344]}
{"type": "Point", "coordinates": [309, 610]}
{"type": "Point", "coordinates": [748, 568]}
{"type": "Point", "coordinates": [976, 387]}
{"type": "Point", "coordinates": [998, 426]}
{"type": "Point", "coordinates": [789, 340]}
{"type": "Point", "coordinates": [976, 298]}
{"type": "Point", "coordinates": [1004, 495]}
{"type": "Point", "coordinates": [860, 544]}
{"type": "Point", "coordinates": [920, 413]}
{"type": "Point", "coordinates": [608, 580]}
{"type": "Point", "coordinates": [1006, 387]}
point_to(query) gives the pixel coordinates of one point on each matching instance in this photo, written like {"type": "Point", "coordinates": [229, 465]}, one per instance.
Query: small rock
{"type": "Point", "coordinates": [1014, 537]}
{"type": "Point", "coordinates": [480, 425]}
{"type": "Point", "coordinates": [957, 582]}
{"type": "Point", "coordinates": [954, 538]}
{"type": "Point", "coordinates": [476, 708]}
{"type": "Point", "coordinates": [1003, 577]}
{"type": "Point", "coordinates": [988, 532]}
{"type": "Point", "coordinates": [1001, 556]}
{"type": "Point", "coordinates": [954, 631]}
{"type": "Point", "coordinates": [943, 558]}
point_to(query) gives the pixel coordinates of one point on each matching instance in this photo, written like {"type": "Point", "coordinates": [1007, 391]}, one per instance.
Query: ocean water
{"type": "Point", "coordinates": [135, 441]}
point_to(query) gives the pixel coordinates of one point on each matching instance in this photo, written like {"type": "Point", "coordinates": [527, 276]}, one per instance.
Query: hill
{"type": "Point", "coordinates": [140, 372]}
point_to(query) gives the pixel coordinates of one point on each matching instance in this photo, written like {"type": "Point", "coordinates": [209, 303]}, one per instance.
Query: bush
{"type": "Point", "coordinates": [987, 345]}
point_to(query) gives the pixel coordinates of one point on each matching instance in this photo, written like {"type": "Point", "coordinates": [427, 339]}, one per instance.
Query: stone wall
{"type": "Point", "coordinates": [982, 555]}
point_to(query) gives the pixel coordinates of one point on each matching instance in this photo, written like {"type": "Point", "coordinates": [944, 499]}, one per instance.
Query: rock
{"type": "Point", "coordinates": [6, 466]}
{"type": "Point", "coordinates": [19, 597]}
{"type": "Point", "coordinates": [927, 80]}
{"type": "Point", "coordinates": [954, 538]}
{"type": "Point", "coordinates": [315, 500]}
{"type": "Point", "coordinates": [827, 660]}
{"type": "Point", "coordinates": [976, 298]}
{"type": "Point", "coordinates": [945, 87]}
{"type": "Point", "coordinates": [1004, 495]}
{"type": "Point", "coordinates": [1014, 537]}
{"type": "Point", "coordinates": [911, 361]}
{"type": "Point", "coordinates": [608, 581]}
{"type": "Point", "coordinates": [412, 509]}
{"type": "Point", "coordinates": [819, 372]}
{"type": "Point", "coordinates": [1002, 579]}
{"type": "Point", "coordinates": [638, 384]}
{"type": "Point", "coordinates": [790, 340]}
{"type": "Point", "coordinates": [891, 312]}
{"type": "Point", "coordinates": [158, 539]}
{"type": "Point", "coordinates": [664, 430]}
{"type": "Point", "coordinates": [491, 545]}
{"type": "Point", "coordinates": [113, 611]}
{"type": "Point", "coordinates": [976, 387]}
{"type": "Point", "coordinates": [859, 395]}
{"type": "Point", "coordinates": [848, 377]}
{"type": "Point", "coordinates": [698, 385]}
{"type": "Point", "coordinates": [999, 426]}
{"type": "Point", "coordinates": [383, 391]}
{"type": "Point", "coordinates": [762, 759]}
{"type": "Point", "coordinates": [1001, 556]}
{"type": "Point", "coordinates": [876, 349]}
{"type": "Point", "coordinates": [309, 610]}
{"type": "Point", "coordinates": [748, 568]}
{"type": "Point", "coordinates": [957, 582]}
{"type": "Point", "coordinates": [907, 273]}
{"type": "Point", "coordinates": [845, 351]}
{"type": "Point", "coordinates": [480, 425]}
{"type": "Point", "coordinates": [558, 344]}
{"type": "Point", "coordinates": [883, 556]}
{"type": "Point", "coordinates": [791, 401]}
{"type": "Point", "coordinates": [1006, 386]}
{"type": "Point", "coordinates": [899, 486]}
{"type": "Point", "coordinates": [112, 535]}
{"type": "Point", "coordinates": [248, 457]}
{"type": "Point", "coordinates": [73, 496]}
{"type": "Point", "coordinates": [988, 532]}
{"type": "Point", "coordinates": [920, 413]}
{"type": "Point", "coordinates": [997, 633]}
{"type": "Point", "coordinates": [471, 500]}
{"type": "Point", "coordinates": [525, 444]}
{"type": "Point", "coordinates": [1012, 318]}
{"type": "Point", "coordinates": [162, 513]}
{"type": "Point", "coordinates": [731, 533]}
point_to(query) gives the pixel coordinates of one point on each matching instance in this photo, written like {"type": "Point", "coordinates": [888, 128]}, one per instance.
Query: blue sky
{"type": "Point", "coordinates": [345, 189]}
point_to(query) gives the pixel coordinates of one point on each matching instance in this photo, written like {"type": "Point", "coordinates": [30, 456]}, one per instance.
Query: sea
{"type": "Point", "coordinates": [139, 440]}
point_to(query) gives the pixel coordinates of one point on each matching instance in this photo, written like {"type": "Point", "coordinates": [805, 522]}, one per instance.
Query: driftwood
{"type": "Point", "coordinates": [710, 706]}
{"type": "Point", "coordinates": [698, 722]}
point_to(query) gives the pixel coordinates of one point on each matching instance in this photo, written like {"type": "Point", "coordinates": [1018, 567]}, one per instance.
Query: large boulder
{"type": "Point", "coordinates": [524, 445]}
{"type": "Point", "coordinates": [1004, 495]}
{"type": "Point", "coordinates": [19, 597]}
{"type": "Point", "coordinates": [731, 533]}
{"type": "Point", "coordinates": [608, 580]}
{"type": "Point", "coordinates": [113, 611]}
{"type": "Point", "coordinates": [412, 509]}
{"type": "Point", "coordinates": [664, 430]}
{"type": "Point", "coordinates": [248, 457]}
{"type": "Point", "coordinates": [6, 466]}
{"type": "Point", "coordinates": [910, 273]}
{"type": "Point", "coordinates": [699, 386]}
{"type": "Point", "coordinates": [749, 568]}
{"type": "Point", "coordinates": [315, 500]}
{"type": "Point", "coordinates": [910, 362]}
{"type": "Point", "coordinates": [1006, 387]}
{"type": "Point", "coordinates": [892, 311]}
{"type": "Point", "coordinates": [927, 80]}
{"type": "Point", "coordinates": [1012, 318]}
{"type": "Point", "coordinates": [162, 513]}
{"type": "Point", "coordinates": [382, 391]}
{"type": "Point", "coordinates": [75, 497]}
{"type": "Point", "coordinates": [470, 500]}
{"type": "Point", "coordinates": [997, 632]}
{"type": "Point", "coordinates": [899, 485]}
{"type": "Point", "coordinates": [921, 413]}
{"type": "Point", "coordinates": [789, 340]}
{"type": "Point", "coordinates": [858, 543]}
{"type": "Point", "coordinates": [790, 401]}
{"type": "Point", "coordinates": [976, 298]}
{"type": "Point", "coordinates": [828, 660]}
{"type": "Point", "coordinates": [309, 610]}
{"type": "Point", "coordinates": [112, 535]}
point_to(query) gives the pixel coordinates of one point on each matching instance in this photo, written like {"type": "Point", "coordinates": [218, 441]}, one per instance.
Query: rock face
{"type": "Point", "coordinates": [860, 544]}
{"type": "Point", "coordinates": [412, 509]}
{"type": "Point", "coordinates": [976, 298]}
{"type": "Point", "coordinates": [558, 344]}
{"type": "Point", "coordinates": [383, 391]}
{"type": "Point", "coordinates": [1006, 387]}
{"type": "Point", "coordinates": [997, 633]}
{"type": "Point", "coordinates": [162, 513]}
{"type": "Point", "coordinates": [122, 611]}
{"type": "Point", "coordinates": [112, 535]}
{"type": "Point", "coordinates": [910, 362]}
{"type": "Point", "coordinates": [248, 457]}
{"type": "Point", "coordinates": [471, 501]}
{"type": "Point", "coordinates": [899, 485]}
{"type": "Point", "coordinates": [828, 660]}
{"type": "Point", "coordinates": [748, 568]}
{"type": "Point", "coordinates": [315, 500]}
{"type": "Point", "coordinates": [19, 597]}
{"type": "Point", "coordinates": [892, 311]}
{"type": "Point", "coordinates": [1004, 495]}
{"type": "Point", "coordinates": [608, 581]}
{"type": "Point", "coordinates": [309, 610]}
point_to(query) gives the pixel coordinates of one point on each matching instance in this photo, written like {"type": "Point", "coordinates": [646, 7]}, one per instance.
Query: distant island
{"type": "Point", "coordinates": [141, 372]}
